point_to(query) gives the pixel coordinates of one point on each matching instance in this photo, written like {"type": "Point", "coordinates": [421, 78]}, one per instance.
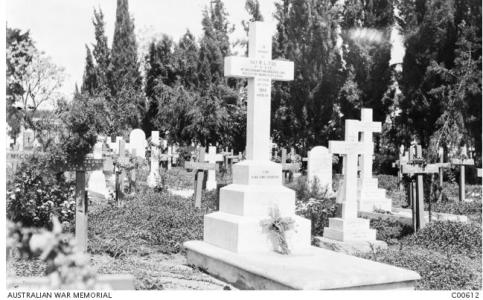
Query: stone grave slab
{"type": "Point", "coordinates": [315, 269]}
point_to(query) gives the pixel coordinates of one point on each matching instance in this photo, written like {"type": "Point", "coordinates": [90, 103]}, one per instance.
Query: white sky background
{"type": "Point", "coordinates": [61, 28]}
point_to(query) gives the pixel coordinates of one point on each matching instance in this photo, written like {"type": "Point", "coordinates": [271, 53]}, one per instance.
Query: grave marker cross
{"type": "Point", "coordinates": [350, 149]}
{"type": "Point", "coordinates": [462, 162]}
{"type": "Point", "coordinates": [81, 200]}
{"type": "Point", "coordinates": [260, 70]}
{"type": "Point", "coordinates": [367, 127]}
{"type": "Point", "coordinates": [416, 166]}
{"type": "Point", "coordinates": [200, 168]}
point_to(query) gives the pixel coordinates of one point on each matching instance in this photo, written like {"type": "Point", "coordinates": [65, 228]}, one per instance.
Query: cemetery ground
{"type": "Point", "coordinates": [144, 237]}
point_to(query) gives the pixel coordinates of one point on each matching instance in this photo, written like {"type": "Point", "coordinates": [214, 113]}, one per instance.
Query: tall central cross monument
{"type": "Point", "coordinates": [257, 190]}
{"type": "Point", "coordinates": [237, 245]}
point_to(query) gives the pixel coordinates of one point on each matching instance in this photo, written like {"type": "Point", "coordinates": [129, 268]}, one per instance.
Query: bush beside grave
{"type": "Point", "coordinates": [449, 238]}
{"type": "Point", "coordinates": [36, 192]}
{"type": "Point", "coordinates": [390, 231]}
{"type": "Point", "coordinates": [438, 271]}
{"type": "Point", "coordinates": [470, 209]}
{"type": "Point", "coordinates": [314, 204]}
{"type": "Point", "coordinates": [149, 220]}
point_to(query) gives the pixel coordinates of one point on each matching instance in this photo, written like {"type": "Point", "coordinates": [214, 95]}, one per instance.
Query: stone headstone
{"type": "Point", "coordinates": [137, 140]}
{"type": "Point", "coordinates": [97, 181]}
{"type": "Point", "coordinates": [320, 166]}
{"type": "Point", "coordinates": [153, 176]}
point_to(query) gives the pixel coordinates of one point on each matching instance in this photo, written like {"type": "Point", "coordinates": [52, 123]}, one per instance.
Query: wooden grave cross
{"type": "Point", "coordinates": [416, 167]}
{"type": "Point", "coordinates": [225, 154]}
{"type": "Point", "coordinates": [234, 159]}
{"type": "Point", "coordinates": [120, 173]}
{"type": "Point", "coordinates": [288, 168]}
{"type": "Point", "coordinates": [442, 165]}
{"type": "Point", "coordinates": [403, 159]}
{"type": "Point", "coordinates": [200, 168]}
{"type": "Point", "coordinates": [81, 200]}
{"type": "Point", "coordinates": [462, 162]}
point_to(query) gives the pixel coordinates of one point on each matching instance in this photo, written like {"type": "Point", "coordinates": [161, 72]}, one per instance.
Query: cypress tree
{"type": "Point", "coordinates": [101, 54]}
{"type": "Point", "coordinates": [126, 81]}
{"type": "Point", "coordinates": [89, 80]}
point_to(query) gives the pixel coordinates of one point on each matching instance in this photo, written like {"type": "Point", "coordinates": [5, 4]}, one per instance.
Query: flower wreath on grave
{"type": "Point", "coordinates": [276, 227]}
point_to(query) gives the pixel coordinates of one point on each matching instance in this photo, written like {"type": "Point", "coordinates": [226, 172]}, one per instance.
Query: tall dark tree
{"type": "Point", "coordinates": [367, 26]}
{"type": "Point", "coordinates": [305, 111]}
{"type": "Point", "coordinates": [90, 79]}
{"type": "Point", "coordinates": [211, 114]}
{"type": "Point", "coordinates": [432, 40]}
{"type": "Point", "coordinates": [126, 81]}
{"type": "Point", "coordinates": [101, 53]}
{"type": "Point", "coordinates": [160, 75]}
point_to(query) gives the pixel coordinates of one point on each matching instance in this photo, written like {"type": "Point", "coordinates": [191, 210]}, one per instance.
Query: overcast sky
{"type": "Point", "coordinates": [61, 28]}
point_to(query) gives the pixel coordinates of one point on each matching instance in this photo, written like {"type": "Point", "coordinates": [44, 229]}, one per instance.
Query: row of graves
{"type": "Point", "coordinates": [109, 172]}
{"type": "Point", "coordinates": [91, 184]}
{"type": "Point", "coordinates": [414, 167]}
{"type": "Point", "coordinates": [255, 240]}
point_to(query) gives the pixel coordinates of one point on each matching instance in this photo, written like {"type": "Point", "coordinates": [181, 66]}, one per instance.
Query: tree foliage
{"type": "Point", "coordinates": [441, 77]}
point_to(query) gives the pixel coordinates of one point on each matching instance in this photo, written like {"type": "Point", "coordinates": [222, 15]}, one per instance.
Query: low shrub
{"type": "Point", "coordinates": [388, 182]}
{"type": "Point", "coordinates": [314, 204]}
{"type": "Point", "coordinates": [438, 271]}
{"type": "Point", "coordinates": [449, 238]}
{"type": "Point", "coordinates": [389, 230]}
{"type": "Point", "coordinates": [148, 219]}
{"type": "Point", "coordinates": [470, 209]}
{"type": "Point", "coordinates": [37, 191]}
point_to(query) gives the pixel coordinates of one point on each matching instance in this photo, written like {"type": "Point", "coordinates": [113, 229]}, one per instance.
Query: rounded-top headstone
{"type": "Point", "coordinates": [137, 140]}
{"type": "Point", "coordinates": [320, 166]}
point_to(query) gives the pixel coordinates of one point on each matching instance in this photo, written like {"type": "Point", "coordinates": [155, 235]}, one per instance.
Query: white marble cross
{"type": "Point", "coordinates": [155, 138]}
{"type": "Point", "coordinates": [350, 149]}
{"type": "Point", "coordinates": [367, 126]}
{"type": "Point", "coordinates": [260, 70]}
{"type": "Point", "coordinates": [213, 158]}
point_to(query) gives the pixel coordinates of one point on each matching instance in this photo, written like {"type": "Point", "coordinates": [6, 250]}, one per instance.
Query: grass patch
{"type": "Point", "coordinates": [150, 221]}
{"type": "Point", "coordinates": [438, 271]}
{"type": "Point", "coordinates": [449, 238]}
